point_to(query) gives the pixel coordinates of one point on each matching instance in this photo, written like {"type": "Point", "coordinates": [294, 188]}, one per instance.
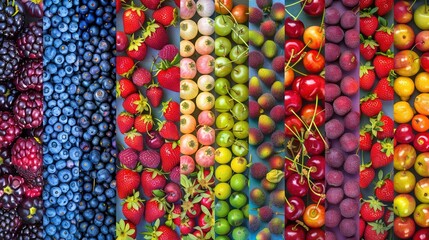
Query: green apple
{"type": "Point", "coordinates": [422, 164]}
{"type": "Point", "coordinates": [404, 205]}
{"type": "Point", "coordinates": [404, 182]}
{"type": "Point", "coordinates": [421, 215]}
{"type": "Point", "coordinates": [421, 190]}
{"type": "Point", "coordinates": [421, 17]}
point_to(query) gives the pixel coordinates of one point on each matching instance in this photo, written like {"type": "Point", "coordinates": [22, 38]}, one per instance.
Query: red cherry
{"type": "Point", "coordinates": [404, 133]}
{"type": "Point", "coordinates": [293, 49]}
{"type": "Point", "coordinates": [312, 87]}
{"type": "Point", "coordinates": [294, 28]}
{"type": "Point", "coordinates": [314, 144]}
{"type": "Point", "coordinates": [295, 209]}
{"type": "Point", "coordinates": [297, 185]}
{"type": "Point", "coordinates": [294, 232]}
{"type": "Point", "coordinates": [421, 142]}
{"type": "Point", "coordinates": [292, 102]}
{"type": "Point", "coordinates": [315, 234]}
{"type": "Point", "coordinates": [317, 165]}
{"type": "Point", "coordinates": [318, 187]}
{"type": "Point", "coordinates": [314, 7]}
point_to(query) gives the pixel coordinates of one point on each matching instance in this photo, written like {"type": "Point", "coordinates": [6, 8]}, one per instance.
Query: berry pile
{"type": "Point", "coordinates": [342, 120]}
{"type": "Point", "coordinates": [147, 87]}
{"type": "Point", "coordinates": [376, 134]}
{"type": "Point", "coordinates": [61, 152]}
{"type": "Point", "coordinates": [21, 118]}
{"type": "Point", "coordinates": [96, 109]}
{"type": "Point", "coordinates": [267, 113]}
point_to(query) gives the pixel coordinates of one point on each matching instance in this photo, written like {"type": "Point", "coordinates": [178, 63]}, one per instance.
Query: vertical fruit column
{"type": "Point", "coordinates": [148, 76]}
{"type": "Point", "coordinates": [21, 119]}
{"type": "Point", "coordinates": [231, 77]}
{"type": "Point", "coordinates": [376, 134]}
{"type": "Point", "coordinates": [97, 109]}
{"type": "Point", "coordinates": [197, 120]}
{"type": "Point", "coordinates": [342, 119]}
{"type": "Point", "coordinates": [266, 134]}
{"type": "Point", "coordinates": [61, 151]}
{"type": "Point", "coordinates": [411, 112]}
{"type": "Point", "coordinates": [304, 108]}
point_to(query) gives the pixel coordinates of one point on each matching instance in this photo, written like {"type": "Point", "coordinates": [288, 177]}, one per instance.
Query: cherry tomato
{"type": "Point", "coordinates": [314, 216]}
{"type": "Point", "coordinates": [420, 123]}
{"type": "Point", "coordinates": [309, 110]}
{"type": "Point", "coordinates": [314, 37]}
{"type": "Point", "coordinates": [293, 123]}
{"type": "Point", "coordinates": [222, 6]}
{"type": "Point", "coordinates": [313, 61]}
{"type": "Point", "coordinates": [240, 13]}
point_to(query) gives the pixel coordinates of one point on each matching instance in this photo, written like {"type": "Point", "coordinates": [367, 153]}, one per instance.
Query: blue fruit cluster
{"type": "Point", "coordinates": [96, 101]}
{"type": "Point", "coordinates": [61, 151]}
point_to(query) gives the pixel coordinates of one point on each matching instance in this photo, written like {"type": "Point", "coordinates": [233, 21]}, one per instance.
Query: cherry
{"type": "Point", "coordinates": [310, 112]}
{"type": "Point", "coordinates": [318, 187]}
{"type": "Point", "coordinates": [293, 123]}
{"type": "Point", "coordinates": [315, 234]}
{"type": "Point", "coordinates": [314, 7]}
{"type": "Point", "coordinates": [293, 50]}
{"type": "Point", "coordinates": [297, 185]}
{"type": "Point", "coordinates": [404, 133]}
{"type": "Point", "coordinates": [292, 102]}
{"type": "Point", "coordinates": [294, 28]}
{"type": "Point", "coordinates": [289, 168]}
{"type": "Point", "coordinates": [295, 232]}
{"type": "Point", "coordinates": [312, 87]}
{"type": "Point", "coordinates": [317, 167]}
{"type": "Point", "coordinates": [294, 208]}
{"type": "Point", "coordinates": [421, 142]}
{"type": "Point", "coordinates": [314, 144]}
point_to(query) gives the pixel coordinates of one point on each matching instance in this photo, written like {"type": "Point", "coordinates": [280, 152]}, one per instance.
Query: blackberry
{"type": "Point", "coordinates": [9, 130]}
{"type": "Point", "coordinates": [30, 41]}
{"type": "Point", "coordinates": [27, 158]}
{"type": "Point", "coordinates": [9, 60]}
{"type": "Point", "coordinates": [8, 94]}
{"type": "Point", "coordinates": [30, 232]}
{"type": "Point", "coordinates": [30, 77]}
{"type": "Point", "coordinates": [6, 162]}
{"type": "Point", "coordinates": [11, 19]}
{"type": "Point", "coordinates": [9, 224]}
{"type": "Point", "coordinates": [31, 210]}
{"type": "Point", "coordinates": [28, 109]}
{"type": "Point", "coordinates": [12, 193]}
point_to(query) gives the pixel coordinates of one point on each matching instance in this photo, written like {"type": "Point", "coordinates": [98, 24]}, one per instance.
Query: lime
{"type": "Point", "coordinates": [222, 226]}
{"type": "Point", "coordinates": [221, 209]}
{"type": "Point", "coordinates": [238, 199]}
{"type": "Point", "coordinates": [235, 217]}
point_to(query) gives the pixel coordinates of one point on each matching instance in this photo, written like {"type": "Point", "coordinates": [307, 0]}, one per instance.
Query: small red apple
{"type": "Point", "coordinates": [422, 41]}
{"type": "Point", "coordinates": [403, 36]}
{"type": "Point", "coordinates": [402, 12]}
{"type": "Point", "coordinates": [404, 228]}
{"type": "Point", "coordinates": [424, 61]}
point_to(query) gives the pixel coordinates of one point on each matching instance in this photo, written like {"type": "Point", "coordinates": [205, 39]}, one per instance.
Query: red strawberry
{"type": "Point", "coordinates": [137, 49]}
{"type": "Point", "coordinates": [384, 6]}
{"type": "Point", "coordinates": [125, 122]}
{"type": "Point", "coordinates": [387, 128]}
{"type": "Point", "coordinates": [372, 209]}
{"type": "Point", "coordinates": [165, 16]}
{"type": "Point", "coordinates": [382, 153]}
{"type": "Point", "coordinates": [143, 123]}
{"type": "Point", "coordinates": [384, 35]}
{"type": "Point", "coordinates": [127, 182]}
{"type": "Point", "coordinates": [168, 130]}
{"type": "Point", "coordinates": [362, 225]}
{"type": "Point", "coordinates": [368, 22]}
{"type": "Point", "coordinates": [128, 158]}
{"type": "Point", "coordinates": [155, 36]}
{"type": "Point", "coordinates": [170, 156]}
{"type": "Point", "coordinates": [125, 87]}
{"type": "Point", "coordinates": [365, 140]}
{"type": "Point", "coordinates": [152, 4]}
{"type": "Point", "coordinates": [389, 216]}
{"type": "Point", "coordinates": [169, 52]}
{"type": "Point", "coordinates": [154, 94]}
{"type": "Point", "coordinates": [368, 47]}
{"type": "Point", "coordinates": [376, 231]}
{"type": "Point", "coordinates": [383, 64]}
{"type": "Point", "coordinates": [141, 77]}
{"type": "Point", "coordinates": [171, 111]}
{"type": "Point", "coordinates": [124, 66]}
{"type": "Point", "coordinates": [365, 3]}
{"type": "Point", "coordinates": [384, 89]}
{"type": "Point", "coordinates": [133, 208]}
{"type": "Point", "coordinates": [152, 180]}
{"type": "Point", "coordinates": [384, 188]}
{"type": "Point", "coordinates": [176, 211]}
{"type": "Point", "coordinates": [134, 140]}
{"type": "Point", "coordinates": [136, 103]}
{"type": "Point", "coordinates": [170, 78]}
{"type": "Point", "coordinates": [366, 175]}
{"type": "Point", "coordinates": [167, 233]}
{"type": "Point", "coordinates": [133, 19]}
{"type": "Point", "coordinates": [371, 105]}
{"type": "Point", "coordinates": [125, 230]}
{"type": "Point", "coordinates": [155, 209]}
{"type": "Point", "coordinates": [367, 76]}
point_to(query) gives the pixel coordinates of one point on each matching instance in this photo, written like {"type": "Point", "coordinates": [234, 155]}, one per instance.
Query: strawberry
{"type": "Point", "coordinates": [136, 103]}
{"type": "Point", "coordinates": [362, 225]}
{"type": "Point", "coordinates": [127, 182]}
{"type": "Point", "coordinates": [383, 64]}
{"type": "Point", "coordinates": [154, 94]}
{"type": "Point", "coordinates": [152, 4]}
{"type": "Point", "coordinates": [150, 158]}
{"type": "Point", "coordinates": [170, 78]}
{"type": "Point", "coordinates": [133, 19]}
{"type": "Point", "coordinates": [125, 122]}
{"type": "Point", "coordinates": [372, 209]}
{"type": "Point", "coordinates": [381, 126]}
{"type": "Point", "coordinates": [365, 3]}
{"type": "Point", "coordinates": [384, 35]}
{"type": "Point", "coordinates": [143, 123]}
{"type": "Point", "coordinates": [382, 153]}
{"type": "Point", "coordinates": [384, 6]}
{"type": "Point", "coordinates": [155, 208]}
{"type": "Point", "coordinates": [366, 175]}
{"type": "Point", "coordinates": [165, 16]}
{"type": "Point", "coordinates": [155, 36]}
{"type": "Point", "coordinates": [128, 158]}
{"type": "Point", "coordinates": [366, 76]}
{"type": "Point", "coordinates": [134, 140]}
{"type": "Point", "coordinates": [168, 130]}
{"type": "Point", "coordinates": [384, 89]}
{"type": "Point", "coordinates": [376, 231]}
{"type": "Point", "coordinates": [171, 111]}
{"type": "Point", "coordinates": [124, 66]}
{"type": "Point", "coordinates": [368, 22]}
{"type": "Point", "coordinates": [169, 53]}
{"type": "Point", "coordinates": [365, 140]}
{"type": "Point", "coordinates": [170, 156]}
{"type": "Point", "coordinates": [384, 188]}
{"type": "Point", "coordinates": [152, 180]}
{"type": "Point", "coordinates": [368, 47]}
{"type": "Point", "coordinates": [125, 230]}
{"type": "Point", "coordinates": [389, 216]}
{"type": "Point", "coordinates": [133, 208]}
{"type": "Point", "coordinates": [125, 87]}
{"type": "Point", "coordinates": [176, 211]}
{"type": "Point", "coordinates": [166, 233]}
{"type": "Point", "coordinates": [141, 77]}
{"type": "Point", "coordinates": [137, 49]}
{"type": "Point", "coordinates": [371, 105]}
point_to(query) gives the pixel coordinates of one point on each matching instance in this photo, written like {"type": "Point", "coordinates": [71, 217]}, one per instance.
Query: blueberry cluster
{"type": "Point", "coordinates": [61, 149]}
{"type": "Point", "coordinates": [96, 104]}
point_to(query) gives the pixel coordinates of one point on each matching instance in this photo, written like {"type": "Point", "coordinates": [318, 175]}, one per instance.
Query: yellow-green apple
{"type": "Point", "coordinates": [407, 63]}
{"type": "Point", "coordinates": [421, 17]}
{"type": "Point", "coordinates": [404, 205]}
{"type": "Point", "coordinates": [403, 36]}
{"type": "Point", "coordinates": [421, 215]}
{"type": "Point", "coordinates": [422, 164]}
{"type": "Point", "coordinates": [404, 156]}
{"type": "Point", "coordinates": [404, 182]}
{"type": "Point", "coordinates": [421, 190]}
